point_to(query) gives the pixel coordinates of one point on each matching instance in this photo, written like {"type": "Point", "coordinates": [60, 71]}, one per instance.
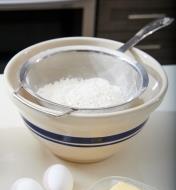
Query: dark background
{"type": "Point", "coordinates": [115, 19]}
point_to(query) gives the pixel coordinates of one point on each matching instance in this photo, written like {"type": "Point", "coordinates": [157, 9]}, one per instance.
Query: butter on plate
{"type": "Point", "coordinates": [124, 186]}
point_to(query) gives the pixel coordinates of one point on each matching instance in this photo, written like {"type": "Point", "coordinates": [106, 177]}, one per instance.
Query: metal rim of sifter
{"type": "Point", "coordinates": [27, 66]}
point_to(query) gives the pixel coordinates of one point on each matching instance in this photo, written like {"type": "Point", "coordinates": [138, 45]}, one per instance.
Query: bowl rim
{"type": "Point", "coordinates": [150, 102]}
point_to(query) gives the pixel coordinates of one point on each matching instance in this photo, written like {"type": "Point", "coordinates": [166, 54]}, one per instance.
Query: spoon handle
{"type": "Point", "coordinates": [146, 31]}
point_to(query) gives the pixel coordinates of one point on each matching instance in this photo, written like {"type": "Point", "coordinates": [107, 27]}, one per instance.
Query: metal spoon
{"type": "Point", "coordinates": [146, 31]}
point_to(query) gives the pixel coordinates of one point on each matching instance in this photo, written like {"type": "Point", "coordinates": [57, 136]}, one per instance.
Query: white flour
{"type": "Point", "coordinates": [82, 93]}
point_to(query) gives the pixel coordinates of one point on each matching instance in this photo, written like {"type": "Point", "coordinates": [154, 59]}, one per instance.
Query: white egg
{"type": "Point", "coordinates": [26, 184]}
{"type": "Point", "coordinates": [58, 177]}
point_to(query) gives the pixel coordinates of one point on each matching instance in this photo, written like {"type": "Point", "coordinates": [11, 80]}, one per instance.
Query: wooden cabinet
{"type": "Point", "coordinates": [120, 19]}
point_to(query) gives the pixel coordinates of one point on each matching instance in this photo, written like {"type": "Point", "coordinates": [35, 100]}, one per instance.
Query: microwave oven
{"type": "Point", "coordinates": [26, 22]}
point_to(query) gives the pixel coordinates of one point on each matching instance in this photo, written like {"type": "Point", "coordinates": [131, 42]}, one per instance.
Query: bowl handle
{"type": "Point", "coordinates": [39, 108]}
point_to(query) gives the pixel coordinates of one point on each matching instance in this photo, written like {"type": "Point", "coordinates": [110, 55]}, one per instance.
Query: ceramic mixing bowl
{"type": "Point", "coordinates": [86, 136]}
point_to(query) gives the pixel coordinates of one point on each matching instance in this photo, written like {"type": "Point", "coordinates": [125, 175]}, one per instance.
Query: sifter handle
{"type": "Point", "coordinates": [39, 108]}
{"type": "Point", "coordinates": [146, 31]}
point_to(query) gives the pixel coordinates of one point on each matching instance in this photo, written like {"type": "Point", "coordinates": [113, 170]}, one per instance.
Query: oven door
{"type": "Point", "coordinates": [22, 28]}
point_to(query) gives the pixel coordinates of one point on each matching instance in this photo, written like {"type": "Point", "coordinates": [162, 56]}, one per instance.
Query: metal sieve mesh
{"type": "Point", "coordinates": [83, 62]}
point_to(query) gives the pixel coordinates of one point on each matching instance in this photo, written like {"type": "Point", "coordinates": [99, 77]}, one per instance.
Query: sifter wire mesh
{"type": "Point", "coordinates": [83, 62]}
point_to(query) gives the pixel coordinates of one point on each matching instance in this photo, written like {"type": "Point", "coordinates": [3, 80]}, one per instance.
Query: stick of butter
{"type": "Point", "coordinates": [124, 186]}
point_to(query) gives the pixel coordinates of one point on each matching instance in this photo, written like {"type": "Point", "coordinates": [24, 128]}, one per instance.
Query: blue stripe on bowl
{"type": "Point", "coordinates": [83, 141]}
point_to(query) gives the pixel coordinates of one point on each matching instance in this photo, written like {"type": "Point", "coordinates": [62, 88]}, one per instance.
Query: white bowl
{"type": "Point", "coordinates": [107, 183]}
{"type": "Point", "coordinates": [82, 136]}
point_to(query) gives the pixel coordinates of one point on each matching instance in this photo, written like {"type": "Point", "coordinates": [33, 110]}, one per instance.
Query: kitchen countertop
{"type": "Point", "coordinates": [150, 157]}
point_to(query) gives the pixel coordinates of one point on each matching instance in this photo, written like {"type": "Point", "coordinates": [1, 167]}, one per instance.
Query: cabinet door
{"type": "Point", "coordinates": [120, 19]}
